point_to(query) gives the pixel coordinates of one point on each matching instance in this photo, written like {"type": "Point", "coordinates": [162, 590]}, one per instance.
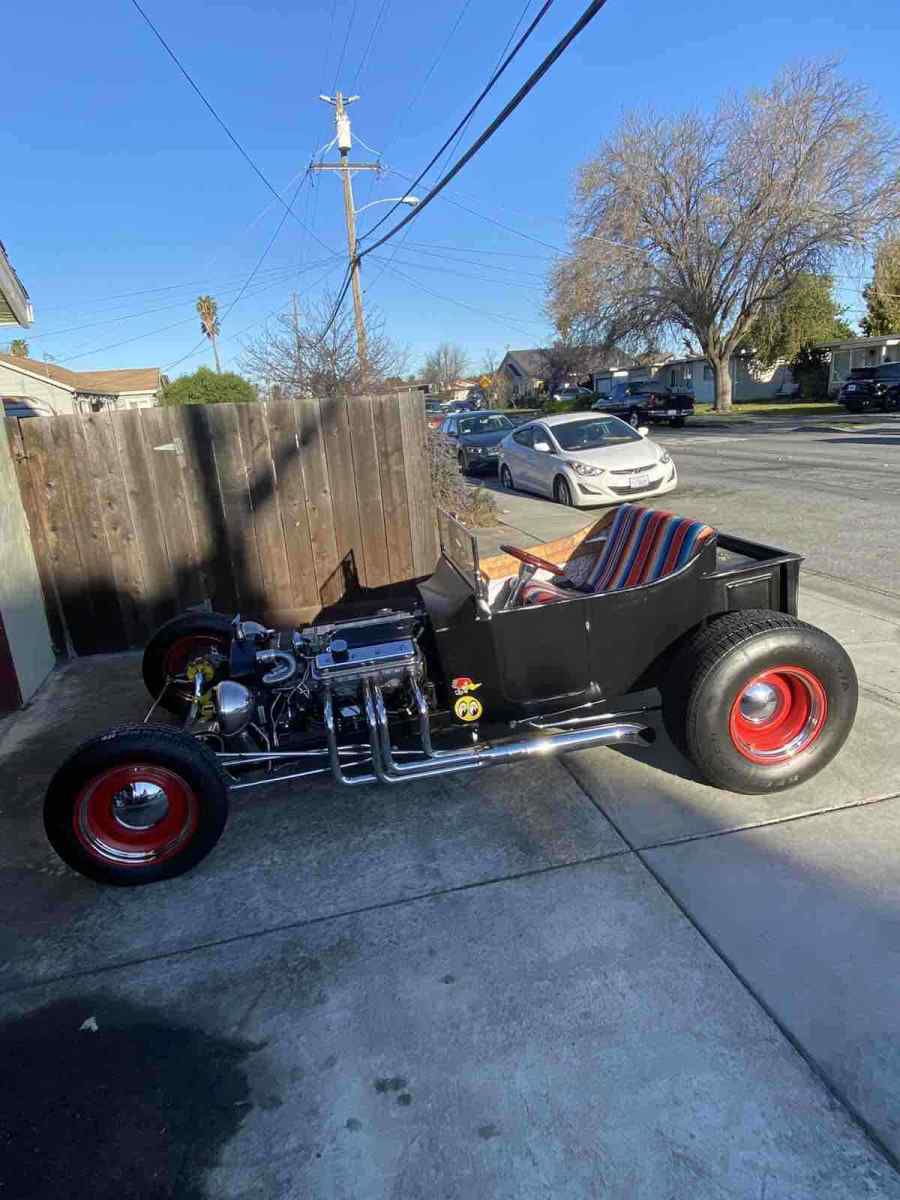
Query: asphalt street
{"type": "Point", "coordinates": [829, 490]}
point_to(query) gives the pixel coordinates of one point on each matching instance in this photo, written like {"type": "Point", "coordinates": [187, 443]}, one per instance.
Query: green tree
{"type": "Point", "coordinates": [18, 347]}
{"type": "Point", "coordinates": [208, 387]}
{"type": "Point", "coordinates": [208, 309]}
{"type": "Point", "coordinates": [807, 313]}
{"type": "Point", "coordinates": [882, 296]}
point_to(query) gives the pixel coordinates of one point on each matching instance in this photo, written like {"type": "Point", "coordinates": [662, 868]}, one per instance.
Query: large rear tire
{"type": "Point", "coordinates": [136, 805]}
{"type": "Point", "coordinates": [185, 638]}
{"type": "Point", "coordinates": [759, 701]}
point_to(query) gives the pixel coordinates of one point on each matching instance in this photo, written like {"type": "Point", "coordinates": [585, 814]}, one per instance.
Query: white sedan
{"type": "Point", "coordinates": [585, 458]}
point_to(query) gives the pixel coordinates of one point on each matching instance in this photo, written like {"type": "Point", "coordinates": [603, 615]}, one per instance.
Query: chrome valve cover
{"type": "Point", "coordinates": [342, 667]}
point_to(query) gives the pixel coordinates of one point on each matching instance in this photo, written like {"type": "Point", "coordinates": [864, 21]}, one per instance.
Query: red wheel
{"type": "Point", "coordinates": [758, 700]}
{"type": "Point", "coordinates": [194, 635]}
{"type": "Point", "coordinates": [189, 647]}
{"type": "Point", "coordinates": [136, 805]}
{"type": "Point", "coordinates": [135, 814]}
{"type": "Point", "coordinates": [778, 715]}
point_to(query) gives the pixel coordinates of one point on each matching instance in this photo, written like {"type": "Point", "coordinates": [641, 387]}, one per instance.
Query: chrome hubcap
{"type": "Point", "coordinates": [759, 703]}
{"type": "Point", "coordinates": [140, 805]}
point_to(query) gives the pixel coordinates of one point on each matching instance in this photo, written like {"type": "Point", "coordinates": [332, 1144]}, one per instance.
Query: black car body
{"type": "Point", "coordinates": [642, 401]}
{"type": "Point", "coordinates": [457, 675]}
{"type": "Point", "coordinates": [477, 437]}
{"type": "Point", "coordinates": [872, 387]}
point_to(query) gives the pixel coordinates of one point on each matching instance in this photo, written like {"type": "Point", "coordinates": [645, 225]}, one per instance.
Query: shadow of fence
{"type": "Point", "coordinates": [275, 509]}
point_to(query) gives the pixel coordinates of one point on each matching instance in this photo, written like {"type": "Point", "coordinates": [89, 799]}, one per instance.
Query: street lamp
{"type": "Point", "coordinates": [412, 201]}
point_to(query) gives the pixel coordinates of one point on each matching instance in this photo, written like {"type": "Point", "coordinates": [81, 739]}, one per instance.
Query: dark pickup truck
{"type": "Point", "coordinates": [872, 387]}
{"type": "Point", "coordinates": [644, 401]}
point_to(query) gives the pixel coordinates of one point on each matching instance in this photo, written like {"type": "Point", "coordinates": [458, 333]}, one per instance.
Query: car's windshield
{"type": "Point", "coordinates": [594, 432]}
{"type": "Point", "coordinates": [863, 372]}
{"type": "Point", "coordinates": [485, 424]}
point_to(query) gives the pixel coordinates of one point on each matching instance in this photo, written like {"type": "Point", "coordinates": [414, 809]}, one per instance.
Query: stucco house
{"type": "Point", "coordinates": [694, 374]}
{"type": "Point", "coordinates": [50, 390]}
{"type": "Point", "coordinates": [858, 352]}
{"type": "Point", "coordinates": [26, 649]}
{"type": "Point", "coordinates": [531, 373]}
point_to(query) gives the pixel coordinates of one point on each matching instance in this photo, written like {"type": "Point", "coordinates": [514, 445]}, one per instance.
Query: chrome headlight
{"type": "Point", "coordinates": [665, 458]}
{"type": "Point", "coordinates": [581, 468]}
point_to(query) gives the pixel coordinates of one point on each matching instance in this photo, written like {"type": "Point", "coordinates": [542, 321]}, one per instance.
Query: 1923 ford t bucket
{"type": "Point", "coordinates": [528, 653]}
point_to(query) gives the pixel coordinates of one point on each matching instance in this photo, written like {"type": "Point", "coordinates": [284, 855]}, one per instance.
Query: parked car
{"type": "Point", "coordinates": [585, 458]}
{"type": "Point", "coordinates": [872, 387]}
{"type": "Point", "coordinates": [435, 412]}
{"type": "Point", "coordinates": [643, 400]}
{"type": "Point", "coordinates": [482, 663]}
{"type": "Point", "coordinates": [477, 437]}
{"type": "Point", "coordinates": [579, 396]}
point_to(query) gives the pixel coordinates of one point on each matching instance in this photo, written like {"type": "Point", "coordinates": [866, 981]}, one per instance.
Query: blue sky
{"type": "Point", "coordinates": [117, 181]}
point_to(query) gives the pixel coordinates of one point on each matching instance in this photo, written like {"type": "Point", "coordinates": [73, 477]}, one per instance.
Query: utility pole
{"type": "Point", "coordinates": [346, 169]}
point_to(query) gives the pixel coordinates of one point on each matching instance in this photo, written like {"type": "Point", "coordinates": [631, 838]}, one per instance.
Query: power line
{"type": "Point", "coordinates": [146, 312]}
{"type": "Point", "coordinates": [344, 47]}
{"type": "Point", "coordinates": [469, 114]}
{"type": "Point", "coordinates": [269, 245]}
{"type": "Point", "coordinates": [150, 333]}
{"type": "Point", "coordinates": [421, 88]}
{"type": "Point", "coordinates": [497, 67]}
{"type": "Point", "coordinates": [531, 82]}
{"type": "Point", "coordinates": [482, 312]}
{"type": "Point", "coordinates": [365, 53]}
{"type": "Point", "coordinates": [229, 337]}
{"type": "Point", "coordinates": [534, 78]}
{"type": "Point", "coordinates": [244, 154]}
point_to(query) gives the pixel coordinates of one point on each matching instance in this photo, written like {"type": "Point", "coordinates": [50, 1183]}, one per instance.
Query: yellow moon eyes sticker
{"type": "Point", "coordinates": [467, 708]}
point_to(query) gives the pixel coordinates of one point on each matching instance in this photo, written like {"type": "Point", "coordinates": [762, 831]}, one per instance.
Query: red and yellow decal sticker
{"type": "Point", "coordinates": [468, 708]}
{"type": "Point", "coordinates": [462, 685]}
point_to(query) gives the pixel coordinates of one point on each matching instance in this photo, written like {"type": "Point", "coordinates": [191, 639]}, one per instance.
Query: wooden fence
{"type": "Point", "coordinates": [273, 509]}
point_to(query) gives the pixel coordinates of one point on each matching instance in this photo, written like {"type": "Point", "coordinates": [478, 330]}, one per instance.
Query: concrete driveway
{"type": "Point", "coordinates": [594, 977]}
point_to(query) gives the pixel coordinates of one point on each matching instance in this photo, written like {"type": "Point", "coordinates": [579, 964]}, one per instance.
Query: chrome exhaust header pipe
{"type": "Point", "coordinates": [450, 762]}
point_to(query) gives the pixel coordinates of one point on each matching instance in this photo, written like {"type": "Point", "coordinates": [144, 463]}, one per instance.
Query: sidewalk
{"type": "Point", "coordinates": [592, 976]}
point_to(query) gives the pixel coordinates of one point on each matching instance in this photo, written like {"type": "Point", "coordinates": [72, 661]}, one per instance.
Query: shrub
{"type": "Point", "coordinates": [475, 507]}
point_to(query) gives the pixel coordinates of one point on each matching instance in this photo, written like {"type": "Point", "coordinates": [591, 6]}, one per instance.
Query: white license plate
{"type": "Point", "coordinates": [639, 481]}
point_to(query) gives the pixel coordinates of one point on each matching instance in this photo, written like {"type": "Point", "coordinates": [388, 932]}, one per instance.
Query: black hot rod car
{"type": "Point", "coordinates": [532, 652]}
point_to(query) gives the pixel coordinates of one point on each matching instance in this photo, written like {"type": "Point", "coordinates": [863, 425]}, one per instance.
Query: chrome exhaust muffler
{"type": "Point", "coordinates": [437, 762]}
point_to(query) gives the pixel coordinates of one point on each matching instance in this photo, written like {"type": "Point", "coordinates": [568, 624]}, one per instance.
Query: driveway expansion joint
{"type": "Point", "coordinates": [215, 943]}
{"type": "Point", "coordinates": [814, 1066]}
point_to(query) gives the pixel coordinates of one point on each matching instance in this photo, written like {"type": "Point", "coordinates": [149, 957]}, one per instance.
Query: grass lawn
{"type": "Point", "coordinates": [807, 408]}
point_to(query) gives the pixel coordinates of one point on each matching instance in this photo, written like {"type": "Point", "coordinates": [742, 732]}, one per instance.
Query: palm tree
{"type": "Point", "coordinates": [208, 309]}
{"type": "Point", "coordinates": [19, 348]}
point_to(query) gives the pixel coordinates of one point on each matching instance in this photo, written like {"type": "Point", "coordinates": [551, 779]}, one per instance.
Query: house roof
{"type": "Point", "coordinates": [531, 363]}
{"type": "Point", "coordinates": [860, 343]}
{"type": "Point", "coordinates": [15, 307]}
{"type": "Point", "coordinates": [107, 383]}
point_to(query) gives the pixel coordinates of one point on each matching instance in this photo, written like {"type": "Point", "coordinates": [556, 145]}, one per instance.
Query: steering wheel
{"type": "Point", "coordinates": [533, 560]}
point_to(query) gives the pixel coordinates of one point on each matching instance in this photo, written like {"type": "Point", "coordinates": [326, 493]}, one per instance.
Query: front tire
{"type": "Point", "coordinates": [506, 479]}
{"type": "Point", "coordinates": [136, 805]}
{"type": "Point", "coordinates": [185, 638]}
{"type": "Point", "coordinates": [562, 493]}
{"type": "Point", "coordinates": [759, 701]}
{"type": "Point", "coordinates": [677, 422]}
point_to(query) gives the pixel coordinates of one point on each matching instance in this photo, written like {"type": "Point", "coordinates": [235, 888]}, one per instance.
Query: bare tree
{"type": "Point", "coordinates": [293, 355]}
{"type": "Point", "coordinates": [447, 364]}
{"type": "Point", "coordinates": [688, 225]}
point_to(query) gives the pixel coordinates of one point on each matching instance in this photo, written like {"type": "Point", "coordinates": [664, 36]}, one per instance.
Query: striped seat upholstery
{"type": "Point", "coordinates": [643, 545]}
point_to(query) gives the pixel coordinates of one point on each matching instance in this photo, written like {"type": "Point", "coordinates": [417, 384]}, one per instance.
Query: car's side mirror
{"type": "Point", "coordinates": [643, 430]}
{"type": "Point", "coordinates": [544, 447]}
